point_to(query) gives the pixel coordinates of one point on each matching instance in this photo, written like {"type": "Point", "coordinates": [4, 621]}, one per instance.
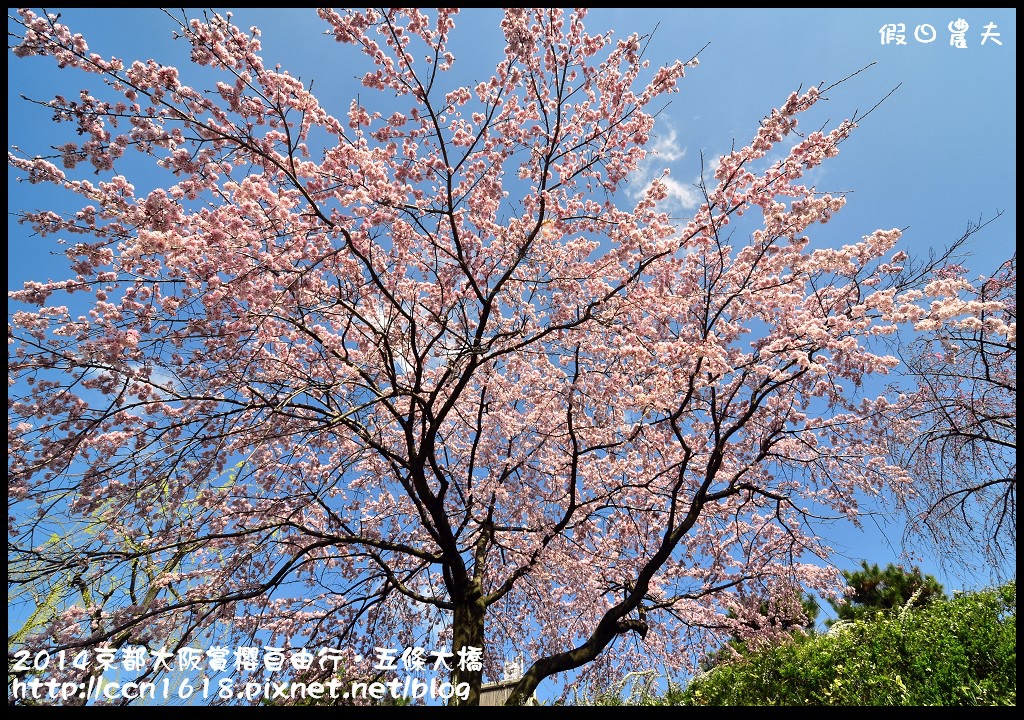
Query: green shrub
{"type": "Point", "coordinates": [961, 651]}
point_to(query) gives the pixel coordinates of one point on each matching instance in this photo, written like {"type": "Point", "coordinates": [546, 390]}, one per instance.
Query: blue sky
{"type": "Point", "coordinates": [937, 154]}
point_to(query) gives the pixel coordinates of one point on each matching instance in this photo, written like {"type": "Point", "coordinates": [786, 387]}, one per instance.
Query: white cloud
{"type": "Point", "coordinates": [685, 196]}
{"type": "Point", "coordinates": [667, 148]}
{"type": "Point", "coordinates": [664, 151]}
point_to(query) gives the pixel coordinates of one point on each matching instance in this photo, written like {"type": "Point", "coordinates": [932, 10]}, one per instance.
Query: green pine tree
{"type": "Point", "coordinates": [875, 589]}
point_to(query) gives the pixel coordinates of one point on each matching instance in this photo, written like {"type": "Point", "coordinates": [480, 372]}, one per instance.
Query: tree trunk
{"type": "Point", "coordinates": [468, 634]}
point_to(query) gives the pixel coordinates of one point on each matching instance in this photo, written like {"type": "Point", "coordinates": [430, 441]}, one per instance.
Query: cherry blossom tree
{"type": "Point", "coordinates": [959, 435]}
{"type": "Point", "coordinates": [422, 376]}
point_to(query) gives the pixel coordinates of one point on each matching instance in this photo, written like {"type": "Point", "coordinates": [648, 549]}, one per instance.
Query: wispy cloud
{"type": "Point", "coordinates": [667, 146]}
{"type": "Point", "coordinates": [665, 150]}
{"type": "Point", "coordinates": [684, 195]}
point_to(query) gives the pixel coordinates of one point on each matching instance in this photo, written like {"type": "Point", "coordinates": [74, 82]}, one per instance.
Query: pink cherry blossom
{"type": "Point", "coordinates": [353, 375]}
